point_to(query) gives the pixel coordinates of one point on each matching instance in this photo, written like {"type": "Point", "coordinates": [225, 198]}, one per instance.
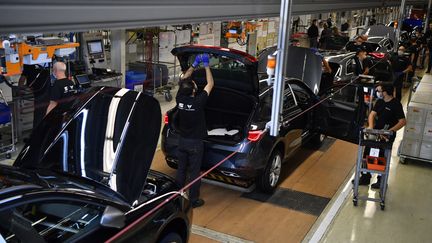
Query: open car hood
{"type": "Point", "coordinates": [381, 30]}
{"type": "Point", "coordinates": [230, 68]}
{"type": "Point", "coordinates": [368, 46]}
{"type": "Point", "coordinates": [106, 134]}
{"type": "Point", "coordinates": [302, 64]}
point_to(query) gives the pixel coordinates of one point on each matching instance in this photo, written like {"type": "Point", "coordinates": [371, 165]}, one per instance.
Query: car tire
{"type": "Point", "coordinates": [316, 141]}
{"type": "Point", "coordinates": [171, 237]}
{"type": "Point", "coordinates": [268, 180]}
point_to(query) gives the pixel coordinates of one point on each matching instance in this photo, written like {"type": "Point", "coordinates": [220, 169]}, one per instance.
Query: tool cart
{"type": "Point", "coordinates": [375, 161]}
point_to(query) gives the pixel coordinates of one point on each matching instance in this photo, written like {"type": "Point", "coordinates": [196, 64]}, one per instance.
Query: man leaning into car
{"type": "Point", "coordinates": [192, 125]}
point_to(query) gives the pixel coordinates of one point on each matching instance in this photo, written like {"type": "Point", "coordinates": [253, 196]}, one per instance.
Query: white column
{"type": "Point", "coordinates": [118, 52]}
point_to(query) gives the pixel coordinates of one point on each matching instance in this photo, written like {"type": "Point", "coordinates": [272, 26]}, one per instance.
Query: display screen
{"type": "Point", "coordinates": [95, 47]}
{"type": "Point", "coordinates": [82, 79]}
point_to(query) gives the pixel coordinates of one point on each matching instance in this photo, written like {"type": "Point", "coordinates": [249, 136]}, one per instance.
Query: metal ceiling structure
{"type": "Point", "coordinates": [79, 15]}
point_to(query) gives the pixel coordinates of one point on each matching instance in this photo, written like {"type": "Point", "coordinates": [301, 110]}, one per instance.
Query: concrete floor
{"type": "Point", "coordinates": [407, 216]}
{"type": "Point", "coordinates": [230, 214]}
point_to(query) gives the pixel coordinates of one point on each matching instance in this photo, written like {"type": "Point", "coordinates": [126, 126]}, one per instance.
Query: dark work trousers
{"type": "Point", "coordinates": [41, 102]}
{"type": "Point", "coordinates": [313, 42]}
{"type": "Point", "coordinates": [190, 153]}
{"type": "Point", "coordinates": [397, 84]}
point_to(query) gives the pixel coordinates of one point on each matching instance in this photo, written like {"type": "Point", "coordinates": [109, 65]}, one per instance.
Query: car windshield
{"type": "Point", "coordinates": [227, 72]}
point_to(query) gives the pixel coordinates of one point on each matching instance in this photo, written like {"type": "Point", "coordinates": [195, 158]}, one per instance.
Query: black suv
{"type": "Point", "coordinates": [239, 107]}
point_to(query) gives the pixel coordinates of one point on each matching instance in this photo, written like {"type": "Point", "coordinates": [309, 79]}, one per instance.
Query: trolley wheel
{"type": "Point", "coordinates": [8, 156]}
{"type": "Point", "coordinates": [382, 206]}
{"type": "Point", "coordinates": [168, 96]}
{"type": "Point", "coordinates": [402, 160]}
{"type": "Point", "coordinates": [355, 202]}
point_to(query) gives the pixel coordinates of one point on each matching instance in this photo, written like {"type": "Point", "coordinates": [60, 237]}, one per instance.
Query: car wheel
{"type": "Point", "coordinates": [268, 181]}
{"type": "Point", "coordinates": [317, 140]}
{"type": "Point", "coordinates": [171, 237]}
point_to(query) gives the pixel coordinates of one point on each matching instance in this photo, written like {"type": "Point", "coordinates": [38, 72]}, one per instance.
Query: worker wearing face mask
{"type": "Point", "coordinates": [401, 65]}
{"type": "Point", "coordinates": [388, 114]}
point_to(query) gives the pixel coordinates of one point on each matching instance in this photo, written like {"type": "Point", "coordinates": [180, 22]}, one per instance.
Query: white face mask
{"type": "Point", "coordinates": [379, 95]}
{"type": "Point", "coordinates": [400, 53]}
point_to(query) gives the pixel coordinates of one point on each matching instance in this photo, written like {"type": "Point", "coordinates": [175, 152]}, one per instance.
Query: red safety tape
{"type": "Point", "coordinates": [140, 219]}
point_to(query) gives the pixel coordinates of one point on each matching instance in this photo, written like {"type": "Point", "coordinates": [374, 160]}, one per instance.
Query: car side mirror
{"type": "Point", "coordinates": [113, 218]}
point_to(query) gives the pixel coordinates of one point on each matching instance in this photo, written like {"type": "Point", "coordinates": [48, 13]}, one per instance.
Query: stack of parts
{"type": "Point", "coordinates": [417, 142]}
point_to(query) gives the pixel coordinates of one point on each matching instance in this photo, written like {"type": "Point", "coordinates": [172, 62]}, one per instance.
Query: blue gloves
{"type": "Point", "coordinates": [204, 58]}
{"type": "Point", "coordinates": [197, 61]}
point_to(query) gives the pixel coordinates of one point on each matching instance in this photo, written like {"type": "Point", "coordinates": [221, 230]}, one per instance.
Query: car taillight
{"type": "Point", "coordinates": [378, 55]}
{"type": "Point", "coordinates": [255, 135]}
{"type": "Point", "coordinates": [166, 118]}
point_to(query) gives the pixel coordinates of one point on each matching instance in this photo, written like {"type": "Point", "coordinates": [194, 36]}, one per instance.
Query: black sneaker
{"type": "Point", "coordinates": [197, 203]}
{"type": "Point", "coordinates": [377, 184]}
{"type": "Point", "coordinates": [364, 180]}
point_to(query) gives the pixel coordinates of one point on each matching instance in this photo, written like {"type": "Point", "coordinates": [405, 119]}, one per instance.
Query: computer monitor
{"type": "Point", "coordinates": [82, 79]}
{"type": "Point", "coordinates": [95, 47]}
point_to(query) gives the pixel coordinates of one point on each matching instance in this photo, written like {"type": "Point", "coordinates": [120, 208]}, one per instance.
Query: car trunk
{"type": "Point", "coordinates": [235, 94]}
{"type": "Point", "coordinates": [228, 114]}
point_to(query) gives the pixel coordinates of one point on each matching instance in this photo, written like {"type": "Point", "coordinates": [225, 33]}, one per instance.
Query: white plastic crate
{"type": "Point", "coordinates": [413, 131]}
{"type": "Point", "coordinates": [426, 150]}
{"type": "Point", "coordinates": [410, 147]}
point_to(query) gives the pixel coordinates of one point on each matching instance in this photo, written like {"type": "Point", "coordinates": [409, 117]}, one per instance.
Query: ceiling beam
{"type": "Point", "coordinates": [51, 16]}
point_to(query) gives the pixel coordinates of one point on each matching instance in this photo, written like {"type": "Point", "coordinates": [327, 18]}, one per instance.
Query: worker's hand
{"type": "Point", "coordinates": [197, 61]}
{"type": "Point", "coordinates": [205, 59]}
{"type": "Point", "coordinates": [383, 137]}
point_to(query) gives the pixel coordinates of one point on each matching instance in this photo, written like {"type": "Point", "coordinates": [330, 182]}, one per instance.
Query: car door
{"type": "Point", "coordinates": [291, 129]}
{"type": "Point", "coordinates": [342, 113]}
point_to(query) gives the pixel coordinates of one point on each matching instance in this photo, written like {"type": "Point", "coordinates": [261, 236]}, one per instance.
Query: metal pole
{"type": "Point", "coordinates": [427, 16]}
{"type": "Point", "coordinates": [279, 84]}
{"type": "Point", "coordinates": [400, 20]}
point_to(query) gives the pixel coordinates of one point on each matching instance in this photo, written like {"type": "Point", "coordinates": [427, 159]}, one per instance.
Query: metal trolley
{"type": "Point", "coordinates": [7, 133]}
{"type": "Point", "coordinates": [380, 143]}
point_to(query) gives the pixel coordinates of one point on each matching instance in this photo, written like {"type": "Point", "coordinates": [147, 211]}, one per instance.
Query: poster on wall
{"type": "Point", "coordinates": [271, 26]}
{"type": "Point", "coordinates": [206, 39]}
{"type": "Point", "coordinates": [183, 37]}
{"type": "Point", "coordinates": [166, 44]}
{"type": "Point", "coordinates": [217, 26]}
{"type": "Point", "coordinates": [167, 39]}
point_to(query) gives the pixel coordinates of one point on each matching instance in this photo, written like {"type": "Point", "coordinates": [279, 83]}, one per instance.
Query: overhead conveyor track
{"type": "Point", "coordinates": [78, 15]}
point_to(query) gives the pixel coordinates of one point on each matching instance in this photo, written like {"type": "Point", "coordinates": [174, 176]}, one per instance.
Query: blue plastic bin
{"type": "Point", "coordinates": [133, 78]}
{"type": "Point", "coordinates": [5, 114]}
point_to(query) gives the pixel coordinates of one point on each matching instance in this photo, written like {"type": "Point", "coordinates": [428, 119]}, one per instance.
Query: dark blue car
{"type": "Point", "coordinates": [239, 107]}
